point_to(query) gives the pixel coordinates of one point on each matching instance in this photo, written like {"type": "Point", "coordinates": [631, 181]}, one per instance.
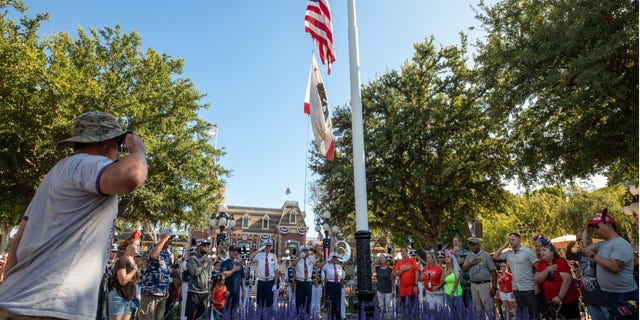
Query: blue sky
{"type": "Point", "coordinates": [252, 59]}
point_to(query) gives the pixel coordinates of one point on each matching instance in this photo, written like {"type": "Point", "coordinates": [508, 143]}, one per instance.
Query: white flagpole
{"type": "Point", "coordinates": [363, 235]}
{"type": "Point", "coordinates": [362, 219]}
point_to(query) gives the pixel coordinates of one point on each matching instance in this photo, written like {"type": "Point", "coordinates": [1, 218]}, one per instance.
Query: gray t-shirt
{"type": "Point", "coordinates": [63, 252]}
{"type": "Point", "coordinates": [623, 281]}
{"type": "Point", "coordinates": [481, 271]}
{"type": "Point", "coordinates": [383, 277]}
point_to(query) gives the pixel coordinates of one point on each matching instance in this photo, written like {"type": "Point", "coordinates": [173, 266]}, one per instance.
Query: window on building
{"type": "Point", "coordinates": [245, 221]}
{"type": "Point", "coordinates": [292, 246]}
{"type": "Point", "coordinates": [265, 223]}
{"type": "Point", "coordinates": [292, 217]}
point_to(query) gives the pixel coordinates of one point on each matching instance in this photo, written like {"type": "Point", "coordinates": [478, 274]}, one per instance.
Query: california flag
{"type": "Point", "coordinates": [316, 105]}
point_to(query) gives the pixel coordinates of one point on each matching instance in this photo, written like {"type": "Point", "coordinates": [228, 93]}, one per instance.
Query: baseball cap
{"type": "Point", "coordinates": [268, 242]}
{"type": "Point", "coordinates": [203, 242]}
{"type": "Point", "coordinates": [193, 250]}
{"type": "Point", "coordinates": [473, 240]}
{"type": "Point", "coordinates": [333, 255]}
{"type": "Point", "coordinates": [413, 253]}
{"type": "Point", "coordinates": [304, 247]}
{"type": "Point", "coordinates": [598, 218]}
{"type": "Point", "coordinates": [233, 248]}
{"type": "Point", "coordinates": [94, 126]}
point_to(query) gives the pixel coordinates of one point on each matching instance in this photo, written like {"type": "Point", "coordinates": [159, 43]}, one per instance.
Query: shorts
{"type": "Point", "coordinates": [507, 296]}
{"type": "Point", "coordinates": [118, 304]}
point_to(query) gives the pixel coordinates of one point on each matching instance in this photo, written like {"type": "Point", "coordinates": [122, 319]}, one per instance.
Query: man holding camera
{"type": "Point", "coordinates": [156, 278]}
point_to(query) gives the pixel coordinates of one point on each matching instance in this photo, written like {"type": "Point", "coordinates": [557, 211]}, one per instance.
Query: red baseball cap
{"type": "Point", "coordinates": [598, 218]}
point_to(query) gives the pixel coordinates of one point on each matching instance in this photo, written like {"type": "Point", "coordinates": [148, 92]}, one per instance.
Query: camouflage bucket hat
{"type": "Point", "coordinates": [93, 126]}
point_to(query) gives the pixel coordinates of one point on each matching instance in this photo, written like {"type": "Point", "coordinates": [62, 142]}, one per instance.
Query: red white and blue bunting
{"type": "Point", "coordinates": [284, 230]}
{"type": "Point", "coordinates": [302, 231]}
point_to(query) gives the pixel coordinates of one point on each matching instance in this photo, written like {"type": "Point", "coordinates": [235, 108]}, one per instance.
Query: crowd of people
{"type": "Point", "coordinates": [598, 280]}
{"type": "Point", "coordinates": [55, 268]}
{"type": "Point", "coordinates": [205, 286]}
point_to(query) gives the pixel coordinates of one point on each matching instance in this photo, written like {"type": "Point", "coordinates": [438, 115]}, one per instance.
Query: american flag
{"type": "Point", "coordinates": [317, 21]}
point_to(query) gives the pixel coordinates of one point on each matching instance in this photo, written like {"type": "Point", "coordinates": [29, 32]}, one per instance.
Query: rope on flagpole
{"type": "Point", "coordinates": [306, 158]}
{"type": "Point", "coordinates": [306, 167]}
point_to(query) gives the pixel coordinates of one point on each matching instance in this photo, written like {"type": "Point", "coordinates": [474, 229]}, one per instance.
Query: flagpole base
{"type": "Point", "coordinates": [364, 291]}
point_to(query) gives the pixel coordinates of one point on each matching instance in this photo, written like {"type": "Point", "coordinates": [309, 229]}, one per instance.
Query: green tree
{"type": "Point", "coordinates": [556, 211]}
{"type": "Point", "coordinates": [106, 70]}
{"type": "Point", "coordinates": [433, 157]}
{"type": "Point", "coordinates": [25, 154]}
{"type": "Point", "coordinates": [565, 74]}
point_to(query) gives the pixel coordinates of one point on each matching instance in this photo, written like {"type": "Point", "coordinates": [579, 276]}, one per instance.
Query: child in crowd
{"type": "Point", "coordinates": [219, 297]}
{"type": "Point", "coordinates": [506, 292]}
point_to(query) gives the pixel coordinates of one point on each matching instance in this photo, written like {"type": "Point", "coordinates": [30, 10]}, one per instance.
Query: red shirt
{"type": "Point", "coordinates": [505, 285]}
{"type": "Point", "coordinates": [408, 278]}
{"type": "Point", "coordinates": [218, 297]}
{"type": "Point", "coordinates": [435, 274]}
{"type": "Point", "coordinates": [552, 287]}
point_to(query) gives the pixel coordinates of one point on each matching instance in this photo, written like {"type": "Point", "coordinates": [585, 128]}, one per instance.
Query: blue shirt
{"type": "Point", "coordinates": [235, 280]}
{"type": "Point", "coordinates": [157, 275]}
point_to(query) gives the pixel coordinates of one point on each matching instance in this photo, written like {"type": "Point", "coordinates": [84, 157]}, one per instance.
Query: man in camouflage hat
{"type": "Point", "coordinates": [63, 239]}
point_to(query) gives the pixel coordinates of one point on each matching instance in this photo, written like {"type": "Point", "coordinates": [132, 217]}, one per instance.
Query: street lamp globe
{"type": "Point", "coordinates": [335, 229]}
{"type": "Point", "coordinates": [222, 222]}
{"type": "Point", "coordinates": [232, 222]}
{"type": "Point", "coordinates": [325, 227]}
{"type": "Point", "coordinates": [326, 215]}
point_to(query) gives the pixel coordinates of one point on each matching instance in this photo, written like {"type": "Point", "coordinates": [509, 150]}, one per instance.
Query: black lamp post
{"type": "Point", "coordinates": [220, 219]}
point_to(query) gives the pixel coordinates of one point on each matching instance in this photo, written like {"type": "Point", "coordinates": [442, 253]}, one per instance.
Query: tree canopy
{"type": "Point", "coordinates": [45, 83]}
{"type": "Point", "coordinates": [433, 156]}
{"type": "Point", "coordinates": [565, 76]}
{"type": "Point", "coordinates": [551, 96]}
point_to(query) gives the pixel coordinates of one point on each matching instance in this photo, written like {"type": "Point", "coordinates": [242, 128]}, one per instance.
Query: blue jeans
{"type": "Point", "coordinates": [118, 305]}
{"type": "Point", "coordinates": [614, 298]}
{"type": "Point", "coordinates": [598, 312]}
{"type": "Point", "coordinates": [455, 303]}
